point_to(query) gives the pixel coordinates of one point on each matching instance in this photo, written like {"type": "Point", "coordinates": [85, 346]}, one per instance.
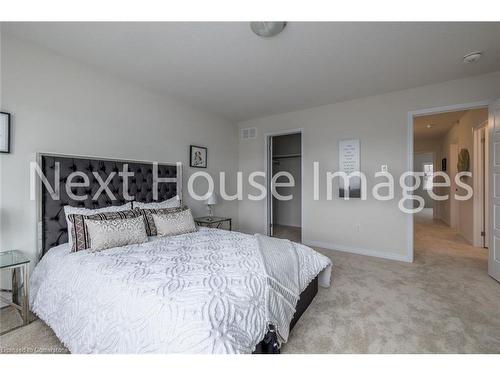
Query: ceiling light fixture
{"type": "Point", "coordinates": [473, 57]}
{"type": "Point", "coordinates": [429, 126]}
{"type": "Point", "coordinates": [267, 29]}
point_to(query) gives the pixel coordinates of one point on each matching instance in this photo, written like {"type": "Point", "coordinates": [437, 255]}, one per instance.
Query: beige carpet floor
{"type": "Point", "coordinates": [444, 302]}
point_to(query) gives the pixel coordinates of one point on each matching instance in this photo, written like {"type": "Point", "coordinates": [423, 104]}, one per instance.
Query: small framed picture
{"type": "Point", "coordinates": [198, 156]}
{"type": "Point", "coordinates": [4, 132]}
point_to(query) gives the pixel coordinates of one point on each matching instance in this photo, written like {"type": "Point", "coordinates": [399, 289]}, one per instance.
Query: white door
{"type": "Point", "coordinates": [494, 249]}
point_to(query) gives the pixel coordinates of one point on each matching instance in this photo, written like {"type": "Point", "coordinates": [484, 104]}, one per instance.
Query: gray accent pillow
{"type": "Point", "coordinates": [106, 234]}
{"type": "Point", "coordinates": [79, 233]}
{"type": "Point", "coordinates": [147, 214]}
{"type": "Point", "coordinates": [69, 210]}
{"type": "Point", "coordinates": [174, 223]}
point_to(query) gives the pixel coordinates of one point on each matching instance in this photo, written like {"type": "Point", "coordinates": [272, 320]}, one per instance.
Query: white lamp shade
{"type": "Point", "coordinates": [212, 199]}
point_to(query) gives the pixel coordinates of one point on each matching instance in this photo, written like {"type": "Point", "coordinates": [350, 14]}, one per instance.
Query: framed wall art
{"type": "Point", "coordinates": [349, 162]}
{"type": "Point", "coordinates": [198, 156]}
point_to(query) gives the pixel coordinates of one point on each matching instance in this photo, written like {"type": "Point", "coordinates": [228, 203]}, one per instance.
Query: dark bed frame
{"type": "Point", "coordinates": [51, 212]}
{"type": "Point", "coordinates": [270, 343]}
{"type": "Point", "coordinates": [52, 221]}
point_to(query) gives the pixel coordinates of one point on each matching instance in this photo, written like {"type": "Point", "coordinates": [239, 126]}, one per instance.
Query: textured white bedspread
{"type": "Point", "coordinates": [202, 292]}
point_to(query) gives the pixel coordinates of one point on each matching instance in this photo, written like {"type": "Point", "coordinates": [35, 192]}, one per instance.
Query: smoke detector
{"type": "Point", "coordinates": [473, 57]}
{"type": "Point", "coordinates": [267, 29]}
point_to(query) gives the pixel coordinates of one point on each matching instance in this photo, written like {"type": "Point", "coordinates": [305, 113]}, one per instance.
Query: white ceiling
{"type": "Point", "coordinates": [440, 125]}
{"type": "Point", "coordinates": [225, 69]}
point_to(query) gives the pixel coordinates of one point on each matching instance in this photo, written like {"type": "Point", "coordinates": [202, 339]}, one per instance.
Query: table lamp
{"type": "Point", "coordinates": [211, 201]}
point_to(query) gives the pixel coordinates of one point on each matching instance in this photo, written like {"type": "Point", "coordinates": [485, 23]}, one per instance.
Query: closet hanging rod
{"type": "Point", "coordinates": [287, 156]}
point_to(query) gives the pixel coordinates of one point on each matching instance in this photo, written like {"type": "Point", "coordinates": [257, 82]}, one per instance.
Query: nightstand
{"type": "Point", "coordinates": [213, 222]}
{"type": "Point", "coordinates": [16, 261]}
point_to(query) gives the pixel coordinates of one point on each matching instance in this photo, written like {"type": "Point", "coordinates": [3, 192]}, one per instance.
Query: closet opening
{"type": "Point", "coordinates": [284, 160]}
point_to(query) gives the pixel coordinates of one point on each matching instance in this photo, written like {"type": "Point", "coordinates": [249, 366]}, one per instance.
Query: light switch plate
{"type": "Point", "coordinates": [383, 168]}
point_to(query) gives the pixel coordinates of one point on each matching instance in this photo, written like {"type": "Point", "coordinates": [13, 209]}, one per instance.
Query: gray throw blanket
{"type": "Point", "coordinates": [281, 264]}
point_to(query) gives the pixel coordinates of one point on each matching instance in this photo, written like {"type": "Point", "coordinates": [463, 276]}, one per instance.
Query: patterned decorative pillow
{"type": "Point", "coordinates": [79, 233]}
{"type": "Point", "coordinates": [174, 223]}
{"type": "Point", "coordinates": [174, 202]}
{"type": "Point", "coordinates": [147, 214]}
{"type": "Point", "coordinates": [105, 234]}
{"type": "Point", "coordinates": [69, 210]}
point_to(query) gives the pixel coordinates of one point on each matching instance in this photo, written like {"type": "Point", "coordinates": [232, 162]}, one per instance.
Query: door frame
{"type": "Point", "coordinates": [493, 125]}
{"type": "Point", "coordinates": [268, 167]}
{"type": "Point", "coordinates": [481, 177]}
{"type": "Point", "coordinates": [409, 156]}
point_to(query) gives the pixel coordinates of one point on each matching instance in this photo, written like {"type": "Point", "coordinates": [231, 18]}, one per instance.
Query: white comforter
{"type": "Point", "coordinates": [202, 292]}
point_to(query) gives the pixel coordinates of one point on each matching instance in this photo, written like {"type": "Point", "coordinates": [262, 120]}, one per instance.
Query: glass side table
{"type": "Point", "coordinates": [15, 260]}
{"type": "Point", "coordinates": [213, 222]}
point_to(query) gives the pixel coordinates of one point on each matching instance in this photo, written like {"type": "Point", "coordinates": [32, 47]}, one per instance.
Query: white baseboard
{"type": "Point", "coordinates": [359, 251]}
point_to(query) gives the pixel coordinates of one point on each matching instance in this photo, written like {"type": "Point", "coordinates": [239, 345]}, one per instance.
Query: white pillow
{"type": "Point", "coordinates": [174, 202]}
{"type": "Point", "coordinates": [106, 234]}
{"type": "Point", "coordinates": [69, 210]}
{"type": "Point", "coordinates": [174, 223]}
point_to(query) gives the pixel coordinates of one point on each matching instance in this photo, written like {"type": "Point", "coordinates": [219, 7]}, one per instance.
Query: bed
{"type": "Point", "coordinates": [201, 292]}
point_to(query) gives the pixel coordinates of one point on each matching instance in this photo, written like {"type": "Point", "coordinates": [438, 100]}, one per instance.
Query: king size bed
{"type": "Point", "coordinates": [203, 291]}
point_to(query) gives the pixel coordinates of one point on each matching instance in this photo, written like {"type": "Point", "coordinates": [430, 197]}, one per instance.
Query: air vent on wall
{"type": "Point", "coordinates": [249, 133]}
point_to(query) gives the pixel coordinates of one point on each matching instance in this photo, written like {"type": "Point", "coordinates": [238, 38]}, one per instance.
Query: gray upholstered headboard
{"type": "Point", "coordinates": [52, 220]}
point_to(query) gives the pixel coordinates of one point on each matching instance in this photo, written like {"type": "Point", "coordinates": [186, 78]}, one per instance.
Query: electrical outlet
{"type": "Point", "coordinates": [384, 168]}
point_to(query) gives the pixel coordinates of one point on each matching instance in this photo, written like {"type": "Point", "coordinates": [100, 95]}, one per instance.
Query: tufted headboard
{"type": "Point", "coordinates": [52, 222]}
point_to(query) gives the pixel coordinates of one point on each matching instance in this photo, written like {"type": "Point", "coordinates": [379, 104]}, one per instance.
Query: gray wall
{"type": "Point", "coordinates": [61, 106]}
{"type": "Point", "coordinates": [381, 123]}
